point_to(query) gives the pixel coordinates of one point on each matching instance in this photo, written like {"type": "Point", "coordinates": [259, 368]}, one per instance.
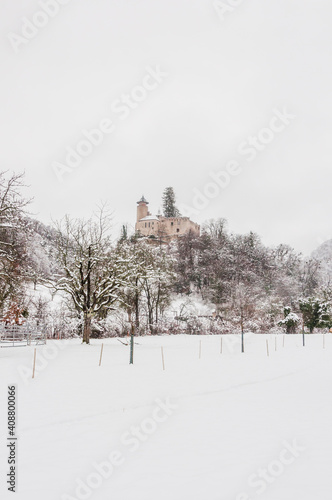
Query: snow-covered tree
{"type": "Point", "coordinates": [309, 277]}
{"type": "Point", "coordinates": [290, 321]}
{"type": "Point", "coordinates": [157, 283]}
{"type": "Point", "coordinates": [169, 205]}
{"type": "Point", "coordinates": [244, 303]}
{"type": "Point", "coordinates": [12, 236]}
{"type": "Point", "coordinates": [135, 250]}
{"type": "Point", "coordinates": [92, 272]}
{"type": "Point", "coordinates": [150, 284]}
{"type": "Point", "coordinates": [38, 262]}
{"type": "Point", "coordinates": [316, 313]}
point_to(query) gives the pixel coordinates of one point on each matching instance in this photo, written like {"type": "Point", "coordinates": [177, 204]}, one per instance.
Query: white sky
{"type": "Point", "coordinates": [225, 77]}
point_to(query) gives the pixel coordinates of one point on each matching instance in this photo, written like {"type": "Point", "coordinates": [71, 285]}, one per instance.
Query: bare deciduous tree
{"type": "Point", "coordinates": [93, 273]}
{"type": "Point", "coordinates": [12, 236]}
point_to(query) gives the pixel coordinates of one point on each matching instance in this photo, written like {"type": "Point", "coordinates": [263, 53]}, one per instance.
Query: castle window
{"type": "Point", "coordinates": [178, 230]}
{"type": "Point", "coordinates": [145, 224]}
{"type": "Point", "coordinates": [149, 224]}
{"type": "Point", "coordinates": [172, 223]}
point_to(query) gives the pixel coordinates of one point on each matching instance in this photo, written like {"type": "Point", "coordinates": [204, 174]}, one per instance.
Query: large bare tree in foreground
{"type": "Point", "coordinates": [93, 273]}
{"type": "Point", "coordinates": [12, 235]}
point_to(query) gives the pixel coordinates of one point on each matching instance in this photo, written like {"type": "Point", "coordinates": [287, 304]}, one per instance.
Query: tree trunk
{"type": "Point", "coordinates": [150, 313]}
{"type": "Point", "coordinates": [291, 329]}
{"type": "Point", "coordinates": [137, 308]}
{"type": "Point", "coordinates": [150, 309]}
{"type": "Point", "coordinates": [87, 328]}
{"type": "Point", "coordinates": [157, 305]}
{"type": "Point", "coordinates": [87, 315]}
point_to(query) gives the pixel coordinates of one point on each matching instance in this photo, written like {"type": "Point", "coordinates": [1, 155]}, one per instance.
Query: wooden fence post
{"type": "Point", "coordinates": [34, 363]}
{"type": "Point", "coordinates": [101, 354]}
{"type": "Point", "coordinates": [162, 358]}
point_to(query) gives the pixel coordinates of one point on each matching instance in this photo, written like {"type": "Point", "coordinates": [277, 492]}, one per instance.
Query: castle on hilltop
{"type": "Point", "coordinates": [158, 226]}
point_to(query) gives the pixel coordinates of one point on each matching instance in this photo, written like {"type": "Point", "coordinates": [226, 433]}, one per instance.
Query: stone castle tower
{"type": "Point", "coordinates": [163, 228]}
{"type": "Point", "coordinates": [142, 209]}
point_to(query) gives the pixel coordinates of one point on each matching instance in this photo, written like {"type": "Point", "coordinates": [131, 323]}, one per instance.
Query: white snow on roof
{"type": "Point", "coordinates": [149, 217]}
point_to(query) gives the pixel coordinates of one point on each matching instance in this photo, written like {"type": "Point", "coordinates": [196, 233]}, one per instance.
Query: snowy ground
{"type": "Point", "coordinates": [228, 426]}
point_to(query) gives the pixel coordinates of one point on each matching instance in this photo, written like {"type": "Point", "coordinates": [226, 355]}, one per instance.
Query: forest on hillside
{"type": "Point", "coordinates": [76, 279]}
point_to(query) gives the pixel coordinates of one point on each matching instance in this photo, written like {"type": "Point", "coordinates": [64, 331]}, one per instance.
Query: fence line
{"type": "Point", "coordinates": [21, 335]}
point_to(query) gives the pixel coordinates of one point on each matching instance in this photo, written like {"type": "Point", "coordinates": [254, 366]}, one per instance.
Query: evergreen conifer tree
{"type": "Point", "coordinates": [169, 207]}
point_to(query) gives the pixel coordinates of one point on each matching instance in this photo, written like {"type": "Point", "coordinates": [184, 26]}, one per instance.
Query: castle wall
{"type": "Point", "coordinates": [178, 226]}
{"type": "Point", "coordinates": [167, 227]}
{"type": "Point", "coordinates": [148, 228]}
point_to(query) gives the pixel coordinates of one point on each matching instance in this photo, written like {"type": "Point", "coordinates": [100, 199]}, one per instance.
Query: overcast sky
{"type": "Point", "coordinates": [219, 78]}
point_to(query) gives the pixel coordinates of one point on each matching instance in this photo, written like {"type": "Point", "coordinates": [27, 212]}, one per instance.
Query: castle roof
{"type": "Point", "coordinates": [143, 200]}
{"type": "Point", "coordinates": [149, 217]}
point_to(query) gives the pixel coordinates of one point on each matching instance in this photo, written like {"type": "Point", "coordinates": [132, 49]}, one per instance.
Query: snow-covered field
{"type": "Point", "coordinates": [227, 426]}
